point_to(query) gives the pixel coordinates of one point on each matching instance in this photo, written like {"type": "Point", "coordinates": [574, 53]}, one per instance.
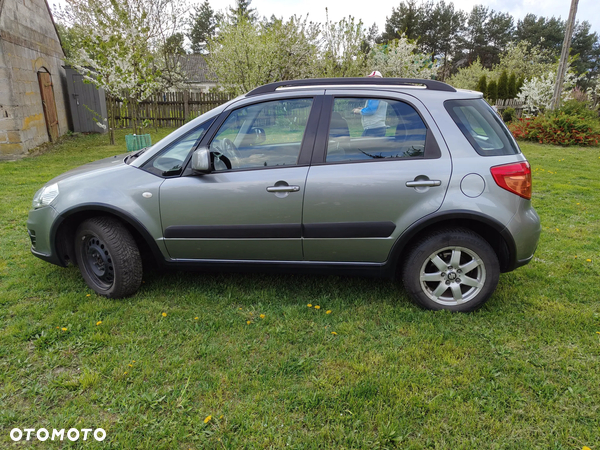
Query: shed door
{"type": "Point", "coordinates": [49, 105]}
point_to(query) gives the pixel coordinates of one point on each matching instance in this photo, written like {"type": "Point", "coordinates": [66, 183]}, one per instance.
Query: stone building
{"type": "Point", "coordinates": [33, 108]}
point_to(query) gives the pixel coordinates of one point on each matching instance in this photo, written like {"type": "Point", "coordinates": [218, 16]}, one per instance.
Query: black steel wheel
{"type": "Point", "coordinates": [108, 257]}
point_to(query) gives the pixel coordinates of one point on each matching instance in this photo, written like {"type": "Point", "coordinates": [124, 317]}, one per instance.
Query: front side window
{"type": "Point", "coordinates": [261, 135]}
{"type": "Point", "coordinates": [170, 160]}
{"type": "Point", "coordinates": [371, 128]}
{"type": "Point", "coordinates": [482, 127]}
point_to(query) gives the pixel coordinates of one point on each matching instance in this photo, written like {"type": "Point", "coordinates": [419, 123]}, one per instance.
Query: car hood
{"type": "Point", "coordinates": [96, 166]}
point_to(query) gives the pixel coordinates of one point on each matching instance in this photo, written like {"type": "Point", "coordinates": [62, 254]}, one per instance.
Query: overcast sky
{"type": "Point", "coordinates": [376, 11]}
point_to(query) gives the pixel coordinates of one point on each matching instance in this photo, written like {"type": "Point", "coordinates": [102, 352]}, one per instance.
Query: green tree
{"type": "Point", "coordinates": [174, 44]}
{"type": "Point", "coordinates": [405, 20]}
{"type": "Point", "coordinates": [68, 37]}
{"type": "Point", "coordinates": [503, 85]}
{"type": "Point", "coordinates": [202, 26]}
{"type": "Point", "coordinates": [242, 11]}
{"type": "Point", "coordinates": [520, 83]}
{"type": "Point", "coordinates": [482, 85]}
{"type": "Point", "coordinates": [492, 91]}
{"type": "Point", "coordinates": [341, 54]}
{"type": "Point", "coordinates": [512, 86]}
{"type": "Point", "coordinates": [248, 54]}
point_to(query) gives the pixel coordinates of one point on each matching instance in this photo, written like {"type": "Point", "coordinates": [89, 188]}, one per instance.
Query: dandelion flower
{"type": "Point", "coordinates": [585, 447]}
{"type": "Point", "coordinates": [309, 305]}
{"type": "Point", "coordinates": [64, 329]}
{"type": "Point", "coordinates": [597, 332]}
{"type": "Point", "coordinates": [88, 295]}
{"type": "Point", "coordinates": [248, 322]}
{"type": "Point", "coordinates": [588, 260]}
{"type": "Point", "coordinates": [262, 316]}
{"type": "Point", "coordinates": [334, 333]}
{"type": "Point", "coordinates": [164, 314]}
{"type": "Point", "coordinates": [207, 419]}
{"type": "Point", "coordinates": [317, 307]}
{"type": "Point", "coordinates": [328, 311]}
{"type": "Point", "coordinates": [99, 323]}
{"type": "Point", "coordinates": [240, 309]}
{"type": "Point", "coordinates": [130, 365]}
{"type": "Point", "coordinates": [124, 373]}
{"type": "Point", "coordinates": [195, 318]}
{"type": "Point", "coordinates": [557, 229]}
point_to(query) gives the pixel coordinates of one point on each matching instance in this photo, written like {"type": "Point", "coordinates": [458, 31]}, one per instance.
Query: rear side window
{"type": "Point", "coordinates": [482, 127]}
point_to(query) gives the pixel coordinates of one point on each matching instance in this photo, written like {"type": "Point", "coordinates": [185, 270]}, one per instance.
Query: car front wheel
{"type": "Point", "coordinates": [456, 270]}
{"type": "Point", "coordinates": [108, 257]}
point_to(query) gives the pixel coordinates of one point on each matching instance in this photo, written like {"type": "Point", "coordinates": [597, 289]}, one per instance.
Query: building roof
{"type": "Point", "coordinates": [196, 69]}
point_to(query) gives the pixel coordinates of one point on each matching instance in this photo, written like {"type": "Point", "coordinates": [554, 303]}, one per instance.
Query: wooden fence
{"type": "Point", "coordinates": [517, 105]}
{"type": "Point", "coordinates": [167, 109]}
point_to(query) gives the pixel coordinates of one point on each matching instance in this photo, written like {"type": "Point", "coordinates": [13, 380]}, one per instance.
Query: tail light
{"type": "Point", "coordinates": [515, 178]}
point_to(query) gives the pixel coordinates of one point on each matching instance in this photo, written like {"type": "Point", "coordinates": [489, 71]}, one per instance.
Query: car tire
{"type": "Point", "coordinates": [108, 257]}
{"type": "Point", "coordinates": [453, 269]}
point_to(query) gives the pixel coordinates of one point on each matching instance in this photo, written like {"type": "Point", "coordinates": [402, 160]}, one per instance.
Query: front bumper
{"type": "Point", "coordinates": [39, 226]}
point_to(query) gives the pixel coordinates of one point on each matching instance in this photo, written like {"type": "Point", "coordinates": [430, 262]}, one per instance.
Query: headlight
{"type": "Point", "coordinates": [45, 196]}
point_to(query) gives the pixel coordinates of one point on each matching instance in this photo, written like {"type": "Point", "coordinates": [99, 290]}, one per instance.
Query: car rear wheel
{"type": "Point", "coordinates": [108, 257]}
{"type": "Point", "coordinates": [456, 270]}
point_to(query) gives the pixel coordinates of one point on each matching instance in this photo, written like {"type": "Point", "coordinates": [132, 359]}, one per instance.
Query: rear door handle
{"type": "Point", "coordinates": [283, 189]}
{"type": "Point", "coordinates": [423, 183]}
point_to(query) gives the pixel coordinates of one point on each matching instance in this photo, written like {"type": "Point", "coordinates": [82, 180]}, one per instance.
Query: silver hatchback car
{"type": "Point", "coordinates": [366, 176]}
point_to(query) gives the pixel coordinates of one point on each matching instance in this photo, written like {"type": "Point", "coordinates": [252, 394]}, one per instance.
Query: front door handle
{"type": "Point", "coordinates": [277, 189]}
{"type": "Point", "coordinates": [423, 183]}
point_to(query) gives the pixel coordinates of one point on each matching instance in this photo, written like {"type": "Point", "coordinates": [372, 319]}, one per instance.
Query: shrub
{"type": "Point", "coordinates": [503, 86]}
{"type": "Point", "coordinates": [509, 114]}
{"type": "Point", "coordinates": [558, 128]}
{"type": "Point", "coordinates": [482, 85]}
{"type": "Point", "coordinates": [492, 91]}
{"type": "Point", "coordinates": [512, 86]}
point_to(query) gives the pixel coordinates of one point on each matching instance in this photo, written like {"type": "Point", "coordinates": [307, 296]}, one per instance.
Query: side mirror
{"type": "Point", "coordinates": [201, 160]}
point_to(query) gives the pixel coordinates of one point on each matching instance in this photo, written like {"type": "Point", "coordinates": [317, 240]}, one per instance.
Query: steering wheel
{"type": "Point", "coordinates": [224, 149]}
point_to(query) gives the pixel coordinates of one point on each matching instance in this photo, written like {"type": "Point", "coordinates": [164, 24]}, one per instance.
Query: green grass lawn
{"type": "Point", "coordinates": [270, 372]}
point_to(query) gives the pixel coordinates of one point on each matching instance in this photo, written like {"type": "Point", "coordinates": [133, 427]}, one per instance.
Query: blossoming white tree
{"type": "Point", "coordinates": [400, 59]}
{"type": "Point", "coordinates": [120, 47]}
{"type": "Point", "coordinates": [536, 93]}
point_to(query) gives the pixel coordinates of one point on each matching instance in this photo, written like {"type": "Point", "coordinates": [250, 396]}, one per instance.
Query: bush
{"type": "Point", "coordinates": [558, 128]}
{"type": "Point", "coordinates": [509, 114]}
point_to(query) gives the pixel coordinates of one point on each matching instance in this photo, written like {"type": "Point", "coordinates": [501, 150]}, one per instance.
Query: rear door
{"type": "Point", "coordinates": [366, 186]}
{"type": "Point", "coordinates": [250, 206]}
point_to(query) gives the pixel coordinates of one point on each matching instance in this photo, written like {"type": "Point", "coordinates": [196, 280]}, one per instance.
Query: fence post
{"type": "Point", "coordinates": [186, 105]}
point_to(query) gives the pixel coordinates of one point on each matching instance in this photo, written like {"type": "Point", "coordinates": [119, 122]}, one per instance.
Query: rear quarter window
{"type": "Point", "coordinates": [482, 127]}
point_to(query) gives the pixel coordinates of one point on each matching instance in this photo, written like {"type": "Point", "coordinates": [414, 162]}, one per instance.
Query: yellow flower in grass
{"type": "Point", "coordinates": [317, 307]}
{"type": "Point", "coordinates": [309, 305]}
{"type": "Point", "coordinates": [164, 314]}
{"type": "Point", "coordinates": [585, 447]}
{"type": "Point", "coordinates": [248, 322]}
{"type": "Point", "coordinates": [195, 318]}
{"type": "Point", "coordinates": [88, 295]}
{"type": "Point", "coordinates": [207, 419]}
{"type": "Point", "coordinates": [262, 316]}
{"type": "Point", "coordinates": [99, 323]}
{"type": "Point", "coordinates": [64, 329]}
{"type": "Point", "coordinates": [334, 333]}
{"type": "Point", "coordinates": [588, 260]}
{"type": "Point", "coordinates": [328, 311]}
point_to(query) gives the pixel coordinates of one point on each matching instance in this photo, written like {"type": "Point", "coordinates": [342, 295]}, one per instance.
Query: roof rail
{"type": "Point", "coordinates": [430, 84]}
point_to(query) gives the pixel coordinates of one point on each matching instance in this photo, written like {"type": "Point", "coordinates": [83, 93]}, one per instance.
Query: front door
{"type": "Point", "coordinates": [250, 206]}
{"type": "Point", "coordinates": [49, 105]}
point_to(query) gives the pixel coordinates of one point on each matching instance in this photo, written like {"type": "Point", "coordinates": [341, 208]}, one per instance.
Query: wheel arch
{"type": "Point", "coordinates": [64, 228]}
{"type": "Point", "coordinates": [495, 233]}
